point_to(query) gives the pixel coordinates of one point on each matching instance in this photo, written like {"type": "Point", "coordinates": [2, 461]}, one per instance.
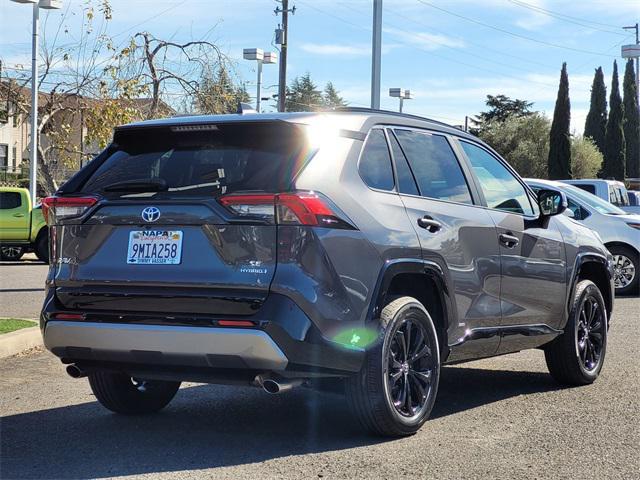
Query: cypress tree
{"type": "Point", "coordinates": [631, 124]}
{"type": "Point", "coordinates": [596, 124]}
{"type": "Point", "coordinates": [559, 161]}
{"type": "Point", "coordinates": [614, 148]}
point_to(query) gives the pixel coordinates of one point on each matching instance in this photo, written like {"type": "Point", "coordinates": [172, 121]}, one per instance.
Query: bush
{"type": "Point", "coordinates": [522, 141]}
{"type": "Point", "coordinates": [586, 159]}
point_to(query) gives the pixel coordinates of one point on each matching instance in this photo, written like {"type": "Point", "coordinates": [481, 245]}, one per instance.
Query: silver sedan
{"type": "Point", "coordinates": [619, 230]}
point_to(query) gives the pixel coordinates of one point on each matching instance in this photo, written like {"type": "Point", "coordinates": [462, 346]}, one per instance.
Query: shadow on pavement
{"type": "Point", "coordinates": [210, 426]}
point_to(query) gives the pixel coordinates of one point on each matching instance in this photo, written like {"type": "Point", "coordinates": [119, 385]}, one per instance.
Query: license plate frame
{"type": "Point", "coordinates": [155, 247]}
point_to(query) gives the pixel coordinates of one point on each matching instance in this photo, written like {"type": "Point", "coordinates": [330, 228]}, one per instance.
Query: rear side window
{"type": "Point", "coordinates": [375, 162]}
{"type": "Point", "coordinates": [9, 200]}
{"type": "Point", "coordinates": [201, 162]}
{"type": "Point", "coordinates": [587, 188]}
{"type": "Point", "coordinates": [434, 166]}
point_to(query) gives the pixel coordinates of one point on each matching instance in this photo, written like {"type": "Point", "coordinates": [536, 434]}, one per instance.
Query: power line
{"type": "Point", "coordinates": [567, 18]}
{"type": "Point", "coordinates": [464, 52]}
{"type": "Point", "coordinates": [428, 52]}
{"type": "Point", "coordinates": [513, 34]}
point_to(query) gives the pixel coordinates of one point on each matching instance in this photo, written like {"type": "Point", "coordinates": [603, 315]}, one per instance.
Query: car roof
{"type": "Point", "coordinates": [584, 181]}
{"type": "Point", "coordinates": [358, 119]}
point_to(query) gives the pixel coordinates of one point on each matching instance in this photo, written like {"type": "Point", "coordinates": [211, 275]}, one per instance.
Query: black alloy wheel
{"type": "Point", "coordinates": [590, 333]}
{"type": "Point", "coordinates": [409, 368]}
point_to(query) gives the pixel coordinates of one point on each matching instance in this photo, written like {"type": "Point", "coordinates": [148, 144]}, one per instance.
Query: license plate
{"type": "Point", "coordinates": [155, 247]}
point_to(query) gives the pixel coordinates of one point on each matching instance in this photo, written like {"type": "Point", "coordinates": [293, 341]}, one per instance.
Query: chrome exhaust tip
{"type": "Point", "coordinates": [75, 372]}
{"type": "Point", "coordinates": [273, 385]}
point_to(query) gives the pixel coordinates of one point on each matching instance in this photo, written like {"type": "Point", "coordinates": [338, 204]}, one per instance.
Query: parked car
{"type": "Point", "coordinates": [278, 249]}
{"type": "Point", "coordinates": [619, 230]}
{"type": "Point", "coordinates": [611, 191]}
{"type": "Point", "coordinates": [634, 198]}
{"type": "Point", "coordinates": [22, 226]}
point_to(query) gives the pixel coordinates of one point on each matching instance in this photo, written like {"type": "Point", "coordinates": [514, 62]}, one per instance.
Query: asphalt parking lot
{"type": "Point", "coordinates": [497, 418]}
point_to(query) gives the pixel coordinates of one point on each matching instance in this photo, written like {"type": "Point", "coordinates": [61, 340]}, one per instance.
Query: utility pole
{"type": "Point", "coordinates": [282, 38]}
{"type": "Point", "coordinates": [376, 54]}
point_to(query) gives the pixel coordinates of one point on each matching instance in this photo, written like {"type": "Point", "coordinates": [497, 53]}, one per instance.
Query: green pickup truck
{"type": "Point", "coordinates": [22, 226]}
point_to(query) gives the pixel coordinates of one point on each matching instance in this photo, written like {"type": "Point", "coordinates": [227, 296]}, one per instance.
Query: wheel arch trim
{"type": "Point", "coordinates": [582, 259]}
{"type": "Point", "coordinates": [430, 269]}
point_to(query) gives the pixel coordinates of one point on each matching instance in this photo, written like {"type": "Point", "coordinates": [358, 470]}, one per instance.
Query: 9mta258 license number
{"type": "Point", "coordinates": [155, 247]}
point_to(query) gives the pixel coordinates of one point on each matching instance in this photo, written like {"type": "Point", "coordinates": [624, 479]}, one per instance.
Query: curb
{"type": "Point", "coordinates": [23, 339]}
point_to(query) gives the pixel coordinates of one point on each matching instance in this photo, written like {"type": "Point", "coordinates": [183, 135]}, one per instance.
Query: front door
{"type": "Point", "coordinates": [533, 262]}
{"type": "Point", "coordinates": [14, 216]}
{"type": "Point", "coordinates": [454, 233]}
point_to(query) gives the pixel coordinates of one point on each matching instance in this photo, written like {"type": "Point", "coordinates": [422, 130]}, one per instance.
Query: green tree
{"type": "Point", "coordinates": [523, 141]}
{"type": "Point", "coordinates": [559, 163]}
{"type": "Point", "coordinates": [218, 94]}
{"type": "Point", "coordinates": [595, 126]}
{"type": "Point", "coordinates": [586, 158]}
{"type": "Point", "coordinates": [501, 107]}
{"type": "Point", "coordinates": [303, 95]}
{"type": "Point", "coordinates": [631, 124]}
{"type": "Point", "coordinates": [614, 149]}
{"type": "Point", "coordinates": [332, 99]}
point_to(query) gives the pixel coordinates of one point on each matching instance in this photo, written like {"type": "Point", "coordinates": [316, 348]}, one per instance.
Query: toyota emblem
{"type": "Point", "coordinates": [150, 214]}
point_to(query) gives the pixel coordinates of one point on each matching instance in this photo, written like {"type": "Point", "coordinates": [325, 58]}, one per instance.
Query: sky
{"type": "Point", "coordinates": [449, 53]}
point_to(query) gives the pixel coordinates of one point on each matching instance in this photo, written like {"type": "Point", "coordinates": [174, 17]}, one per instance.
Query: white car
{"type": "Point", "coordinates": [612, 191]}
{"type": "Point", "coordinates": [619, 230]}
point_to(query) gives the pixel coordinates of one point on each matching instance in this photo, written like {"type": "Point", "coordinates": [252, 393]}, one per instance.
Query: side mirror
{"type": "Point", "coordinates": [551, 202]}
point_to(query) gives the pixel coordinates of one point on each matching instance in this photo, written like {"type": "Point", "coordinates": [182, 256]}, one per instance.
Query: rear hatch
{"type": "Point", "coordinates": [173, 219]}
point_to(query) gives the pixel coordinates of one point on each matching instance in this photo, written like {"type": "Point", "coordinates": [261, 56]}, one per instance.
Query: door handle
{"type": "Point", "coordinates": [429, 224]}
{"type": "Point", "coordinates": [508, 240]}
{"type": "Point", "coordinates": [18, 215]}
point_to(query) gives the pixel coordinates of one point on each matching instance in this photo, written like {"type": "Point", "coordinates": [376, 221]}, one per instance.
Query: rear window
{"type": "Point", "coordinates": [10, 200]}
{"type": "Point", "coordinates": [201, 161]}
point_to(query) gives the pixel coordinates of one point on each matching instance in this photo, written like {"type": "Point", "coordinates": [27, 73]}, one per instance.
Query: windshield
{"type": "Point", "coordinates": [601, 206]}
{"type": "Point", "coordinates": [170, 162]}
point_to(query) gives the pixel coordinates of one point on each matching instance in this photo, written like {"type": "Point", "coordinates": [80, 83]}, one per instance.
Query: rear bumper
{"type": "Point", "coordinates": [164, 345]}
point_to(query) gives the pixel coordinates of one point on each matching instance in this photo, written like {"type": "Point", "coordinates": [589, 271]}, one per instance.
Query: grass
{"type": "Point", "coordinates": [12, 324]}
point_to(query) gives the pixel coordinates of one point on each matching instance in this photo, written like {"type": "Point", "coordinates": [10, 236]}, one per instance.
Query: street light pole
{"type": "Point", "coordinates": [376, 54]}
{"type": "Point", "coordinates": [33, 152]}
{"type": "Point", "coordinates": [261, 57]}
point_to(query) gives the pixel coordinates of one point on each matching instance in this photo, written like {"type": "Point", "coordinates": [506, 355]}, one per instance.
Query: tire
{"type": "Point", "coordinates": [11, 254]}
{"type": "Point", "coordinates": [372, 391]}
{"type": "Point", "coordinates": [626, 263]}
{"type": "Point", "coordinates": [567, 360]}
{"type": "Point", "coordinates": [121, 394]}
{"type": "Point", "coordinates": [42, 247]}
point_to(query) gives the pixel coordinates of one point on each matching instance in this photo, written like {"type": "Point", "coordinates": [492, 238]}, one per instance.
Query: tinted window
{"type": "Point", "coordinates": [9, 200]}
{"type": "Point", "coordinates": [587, 188]}
{"type": "Point", "coordinates": [578, 212]}
{"type": "Point", "coordinates": [434, 166]}
{"type": "Point", "coordinates": [375, 162]}
{"type": "Point", "coordinates": [501, 189]}
{"type": "Point", "coordinates": [226, 158]}
{"type": "Point", "coordinates": [406, 182]}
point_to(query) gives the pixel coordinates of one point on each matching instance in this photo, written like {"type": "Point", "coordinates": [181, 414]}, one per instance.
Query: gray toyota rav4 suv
{"type": "Point", "coordinates": [280, 250]}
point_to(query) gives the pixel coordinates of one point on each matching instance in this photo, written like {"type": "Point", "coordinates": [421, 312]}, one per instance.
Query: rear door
{"type": "Point", "coordinates": [161, 238]}
{"type": "Point", "coordinates": [14, 216]}
{"type": "Point", "coordinates": [532, 253]}
{"type": "Point", "coordinates": [453, 232]}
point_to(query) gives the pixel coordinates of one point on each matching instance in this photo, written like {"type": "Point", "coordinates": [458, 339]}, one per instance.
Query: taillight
{"type": "Point", "coordinates": [68, 316]}
{"type": "Point", "coordinates": [58, 208]}
{"type": "Point", "coordinates": [297, 208]}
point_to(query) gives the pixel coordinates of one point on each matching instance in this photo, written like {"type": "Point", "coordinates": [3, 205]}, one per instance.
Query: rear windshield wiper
{"type": "Point", "coordinates": [157, 185]}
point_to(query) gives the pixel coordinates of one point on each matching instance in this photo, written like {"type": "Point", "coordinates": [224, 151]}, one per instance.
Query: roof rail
{"type": "Point", "coordinates": [389, 112]}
